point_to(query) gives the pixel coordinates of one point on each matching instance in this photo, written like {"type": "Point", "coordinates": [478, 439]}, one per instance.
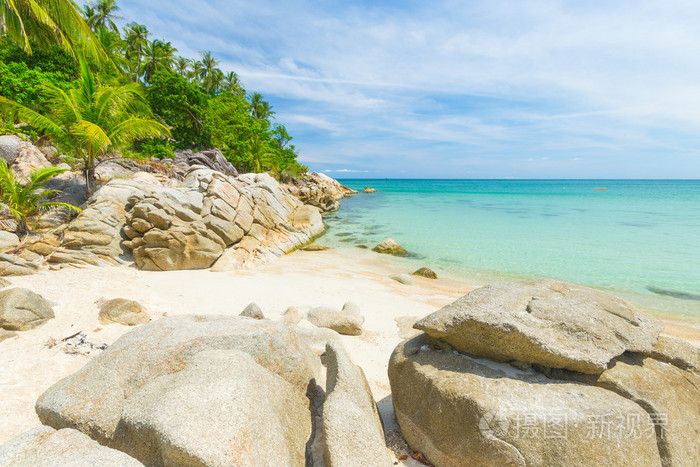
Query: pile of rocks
{"type": "Point", "coordinates": [318, 190]}
{"type": "Point", "coordinates": [546, 373]}
{"type": "Point", "coordinates": [210, 217]}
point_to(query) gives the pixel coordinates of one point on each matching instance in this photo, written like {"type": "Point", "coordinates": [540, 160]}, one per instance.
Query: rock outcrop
{"type": "Point", "coordinates": [351, 425]}
{"type": "Point", "coordinates": [544, 322]}
{"type": "Point", "coordinates": [8, 240]}
{"type": "Point", "coordinates": [194, 390]}
{"type": "Point", "coordinates": [22, 309]}
{"type": "Point", "coordinates": [212, 159]}
{"type": "Point", "coordinates": [389, 246]}
{"type": "Point", "coordinates": [10, 147]}
{"type": "Point", "coordinates": [587, 382]}
{"type": "Point", "coordinates": [29, 158]}
{"type": "Point", "coordinates": [318, 190]}
{"type": "Point", "coordinates": [123, 311]}
{"type": "Point", "coordinates": [46, 447]}
{"type": "Point", "coordinates": [369, 190]}
{"type": "Point", "coordinates": [11, 265]}
{"type": "Point", "coordinates": [241, 222]}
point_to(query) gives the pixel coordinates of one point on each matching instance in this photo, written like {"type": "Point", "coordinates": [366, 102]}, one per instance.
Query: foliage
{"type": "Point", "coordinates": [23, 200]}
{"type": "Point", "coordinates": [48, 22]}
{"type": "Point", "coordinates": [22, 84]}
{"type": "Point", "coordinates": [93, 120]}
{"type": "Point", "coordinates": [51, 60]}
{"type": "Point", "coordinates": [154, 147]}
{"type": "Point", "coordinates": [181, 105]}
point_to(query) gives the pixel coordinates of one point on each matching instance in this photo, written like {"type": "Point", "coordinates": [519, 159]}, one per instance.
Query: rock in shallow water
{"type": "Point", "coordinates": [389, 246]}
{"type": "Point", "coordinates": [426, 272]}
{"type": "Point", "coordinates": [545, 322]}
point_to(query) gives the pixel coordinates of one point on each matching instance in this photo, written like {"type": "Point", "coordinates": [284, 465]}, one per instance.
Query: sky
{"type": "Point", "coordinates": [462, 89]}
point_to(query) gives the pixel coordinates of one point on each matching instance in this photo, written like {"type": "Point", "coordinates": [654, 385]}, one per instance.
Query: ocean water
{"type": "Point", "coordinates": [639, 239]}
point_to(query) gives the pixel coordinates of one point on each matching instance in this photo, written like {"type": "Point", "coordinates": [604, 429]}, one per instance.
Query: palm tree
{"type": "Point", "coordinates": [136, 40]}
{"type": "Point", "coordinates": [48, 22]}
{"type": "Point", "coordinates": [114, 47]}
{"type": "Point", "coordinates": [195, 74]}
{"type": "Point", "coordinates": [104, 16]}
{"type": "Point", "coordinates": [23, 200]}
{"type": "Point", "coordinates": [260, 109]}
{"type": "Point", "coordinates": [208, 71]}
{"type": "Point", "coordinates": [158, 55]}
{"type": "Point", "coordinates": [182, 65]}
{"type": "Point", "coordinates": [93, 120]}
{"type": "Point", "coordinates": [233, 84]}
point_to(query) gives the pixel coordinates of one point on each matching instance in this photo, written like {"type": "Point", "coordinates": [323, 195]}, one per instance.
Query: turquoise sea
{"type": "Point", "coordinates": [639, 239]}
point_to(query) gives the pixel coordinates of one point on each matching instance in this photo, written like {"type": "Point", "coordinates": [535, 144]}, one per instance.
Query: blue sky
{"type": "Point", "coordinates": [462, 89]}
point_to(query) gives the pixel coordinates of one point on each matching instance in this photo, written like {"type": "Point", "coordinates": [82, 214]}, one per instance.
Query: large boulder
{"type": "Point", "coordinates": [544, 322]}
{"type": "Point", "coordinates": [46, 447]}
{"type": "Point", "coordinates": [10, 147]}
{"type": "Point", "coordinates": [221, 409]}
{"type": "Point", "coordinates": [670, 395]}
{"type": "Point", "coordinates": [320, 190]}
{"type": "Point", "coordinates": [236, 222]}
{"type": "Point", "coordinates": [351, 425]}
{"type": "Point", "coordinates": [118, 391]}
{"type": "Point", "coordinates": [463, 411]}
{"type": "Point", "coordinates": [212, 159]}
{"type": "Point", "coordinates": [12, 265]}
{"type": "Point", "coordinates": [22, 309]}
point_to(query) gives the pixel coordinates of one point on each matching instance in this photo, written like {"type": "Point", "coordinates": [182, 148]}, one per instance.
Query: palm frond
{"type": "Point", "coordinates": [135, 128]}
{"type": "Point", "coordinates": [33, 118]}
{"type": "Point", "coordinates": [91, 135]}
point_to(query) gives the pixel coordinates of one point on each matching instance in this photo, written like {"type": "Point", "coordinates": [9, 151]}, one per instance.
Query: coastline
{"type": "Point", "coordinates": [298, 279]}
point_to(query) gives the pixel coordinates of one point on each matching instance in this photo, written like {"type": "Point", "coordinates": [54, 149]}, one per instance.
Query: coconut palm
{"type": "Point", "coordinates": [158, 55]}
{"type": "Point", "coordinates": [104, 14]}
{"type": "Point", "coordinates": [48, 22]}
{"type": "Point", "coordinates": [208, 72]}
{"type": "Point", "coordinates": [182, 65]}
{"type": "Point", "coordinates": [233, 84]}
{"type": "Point", "coordinates": [136, 36]}
{"type": "Point", "coordinates": [114, 47]}
{"type": "Point", "coordinates": [260, 109]}
{"type": "Point", "coordinates": [93, 120]}
{"type": "Point", "coordinates": [23, 200]}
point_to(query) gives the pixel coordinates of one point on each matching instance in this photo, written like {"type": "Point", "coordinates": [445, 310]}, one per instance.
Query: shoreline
{"type": "Point", "coordinates": [301, 279]}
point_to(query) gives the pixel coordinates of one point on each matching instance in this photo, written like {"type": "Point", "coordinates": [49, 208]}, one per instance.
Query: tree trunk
{"type": "Point", "coordinates": [90, 182]}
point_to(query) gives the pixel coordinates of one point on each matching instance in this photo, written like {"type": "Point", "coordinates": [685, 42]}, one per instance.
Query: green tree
{"type": "Point", "coordinates": [209, 73]}
{"type": "Point", "coordinates": [261, 109]}
{"type": "Point", "coordinates": [136, 40]}
{"type": "Point", "coordinates": [182, 65]}
{"type": "Point", "coordinates": [48, 22]}
{"type": "Point", "coordinates": [182, 106]}
{"type": "Point", "coordinates": [158, 56]}
{"type": "Point", "coordinates": [233, 84]}
{"type": "Point", "coordinates": [23, 200]}
{"type": "Point", "coordinates": [103, 14]}
{"type": "Point", "coordinates": [93, 120]}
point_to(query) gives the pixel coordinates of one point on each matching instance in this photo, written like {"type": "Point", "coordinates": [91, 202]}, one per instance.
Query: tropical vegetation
{"type": "Point", "coordinates": [146, 102]}
{"type": "Point", "coordinates": [22, 200]}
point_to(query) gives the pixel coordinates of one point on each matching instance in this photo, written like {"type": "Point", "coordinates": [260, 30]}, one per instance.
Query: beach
{"type": "Point", "coordinates": [302, 279]}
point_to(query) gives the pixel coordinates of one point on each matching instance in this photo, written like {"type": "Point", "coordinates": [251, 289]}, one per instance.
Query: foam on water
{"type": "Point", "coordinates": [634, 239]}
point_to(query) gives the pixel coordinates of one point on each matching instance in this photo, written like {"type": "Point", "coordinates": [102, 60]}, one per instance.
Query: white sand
{"type": "Point", "coordinates": [28, 367]}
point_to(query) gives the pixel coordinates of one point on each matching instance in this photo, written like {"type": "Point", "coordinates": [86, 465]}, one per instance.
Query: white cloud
{"type": "Point", "coordinates": [447, 81]}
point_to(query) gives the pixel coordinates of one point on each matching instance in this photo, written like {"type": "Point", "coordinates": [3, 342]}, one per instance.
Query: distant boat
{"type": "Point", "coordinates": [601, 188]}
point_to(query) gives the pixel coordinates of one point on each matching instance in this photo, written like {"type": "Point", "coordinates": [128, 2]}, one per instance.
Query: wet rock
{"type": "Point", "coordinates": [425, 272]}
{"type": "Point", "coordinates": [390, 247]}
{"type": "Point", "coordinates": [369, 190]}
